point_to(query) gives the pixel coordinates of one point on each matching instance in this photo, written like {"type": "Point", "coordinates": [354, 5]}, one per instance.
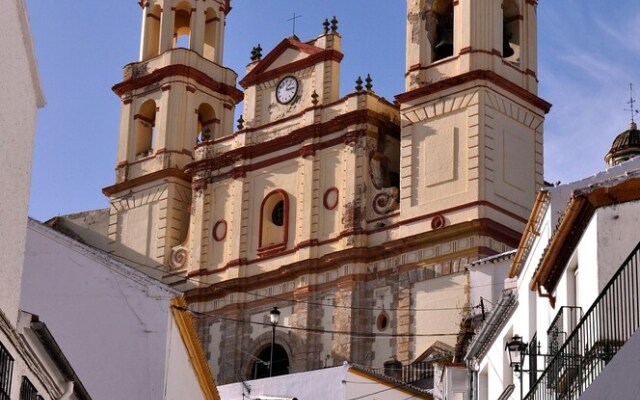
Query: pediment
{"type": "Point", "coordinates": [288, 56]}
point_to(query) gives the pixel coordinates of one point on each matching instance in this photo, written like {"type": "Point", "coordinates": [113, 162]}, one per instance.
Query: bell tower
{"type": "Point", "coordinates": [472, 123]}
{"type": "Point", "coordinates": [177, 95]}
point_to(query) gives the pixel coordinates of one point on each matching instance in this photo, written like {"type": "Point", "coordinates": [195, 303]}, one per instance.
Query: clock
{"type": "Point", "coordinates": [287, 89]}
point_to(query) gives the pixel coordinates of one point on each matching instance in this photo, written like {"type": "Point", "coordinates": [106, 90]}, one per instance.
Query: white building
{"type": "Point", "coordinates": [345, 382]}
{"type": "Point", "coordinates": [31, 363]}
{"type": "Point", "coordinates": [577, 238]}
{"type": "Point", "coordinates": [21, 97]}
{"type": "Point", "coordinates": [128, 335]}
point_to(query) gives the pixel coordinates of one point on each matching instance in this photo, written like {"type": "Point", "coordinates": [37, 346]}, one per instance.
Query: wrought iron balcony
{"type": "Point", "coordinates": [607, 325]}
{"type": "Point", "coordinates": [562, 325]}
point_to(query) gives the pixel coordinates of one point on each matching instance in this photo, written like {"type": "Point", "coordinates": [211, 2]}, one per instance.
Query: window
{"type": "Point", "coordinates": [145, 128]}
{"type": "Point", "coordinates": [210, 34]}
{"type": "Point", "coordinates": [206, 123]}
{"type": "Point", "coordinates": [511, 30]}
{"type": "Point", "coordinates": [277, 215]}
{"type": "Point", "coordinates": [274, 221]}
{"type": "Point", "coordinates": [182, 25]}
{"type": "Point", "coordinates": [152, 33]}
{"type": "Point", "coordinates": [6, 369]}
{"type": "Point", "coordinates": [441, 29]}
{"type": "Point", "coordinates": [28, 391]}
{"type": "Point", "coordinates": [382, 322]}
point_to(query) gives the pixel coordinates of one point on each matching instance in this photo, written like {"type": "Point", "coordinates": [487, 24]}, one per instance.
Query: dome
{"type": "Point", "coordinates": [625, 146]}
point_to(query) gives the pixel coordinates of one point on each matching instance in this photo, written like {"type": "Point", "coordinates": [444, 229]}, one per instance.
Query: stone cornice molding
{"type": "Point", "coordinates": [484, 75]}
{"type": "Point", "coordinates": [178, 70]}
{"type": "Point", "coordinates": [145, 179]}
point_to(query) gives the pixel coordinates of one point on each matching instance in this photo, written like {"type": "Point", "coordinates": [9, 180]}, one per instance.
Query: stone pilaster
{"type": "Point", "coordinates": [403, 347]}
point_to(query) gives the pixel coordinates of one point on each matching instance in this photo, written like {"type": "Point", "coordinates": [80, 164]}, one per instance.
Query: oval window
{"type": "Point", "coordinates": [382, 321]}
{"type": "Point", "coordinates": [277, 215]}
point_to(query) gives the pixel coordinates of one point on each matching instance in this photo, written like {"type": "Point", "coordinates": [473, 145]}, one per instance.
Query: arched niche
{"type": "Point", "coordinates": [511, 27]}
{"type": "Point", "coordinates": [274, 221]}
{"type": "Point", "coordinates": [182, 25]}
{"type": "Point", "coordinates": [145, 121]}
{"type": "Point", "coordinates": [440, 29]}
{"type": "Point", "coordinates": [207, 123]}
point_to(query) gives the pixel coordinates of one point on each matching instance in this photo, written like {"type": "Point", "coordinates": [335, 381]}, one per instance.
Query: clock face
{"type": "Point", "coordinates": [287, 89]}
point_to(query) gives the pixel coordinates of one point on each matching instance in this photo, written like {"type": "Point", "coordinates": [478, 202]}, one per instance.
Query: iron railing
{"type": "Point", "coordinates": [27, 390]}
{"type": "Point", "coordinates": [419, 374]}
{"type": "Point", "coordinates": [562, 325]}
{"type": "Point", "coordinates": [6, 368]}
{"type": "Point", "coordinates": [606, 326]}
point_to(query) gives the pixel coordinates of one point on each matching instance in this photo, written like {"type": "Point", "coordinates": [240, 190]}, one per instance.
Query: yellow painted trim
{"type": "Point", "coordinates": [186, 327]}
{"type": "Point", "coordinates": [526, 241]}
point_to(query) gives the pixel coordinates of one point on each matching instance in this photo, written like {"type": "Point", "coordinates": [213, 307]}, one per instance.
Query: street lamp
{"type": "Point", "coordinates": [517, 350]}
{"type": "Point", "coordinates": [274, 316]}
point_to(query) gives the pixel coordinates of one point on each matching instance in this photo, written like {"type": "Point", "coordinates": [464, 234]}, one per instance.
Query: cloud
{"type": "Point", "coordinates": [623, 33]}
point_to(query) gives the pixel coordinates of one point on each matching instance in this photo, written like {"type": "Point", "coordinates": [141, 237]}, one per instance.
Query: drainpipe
{"type": "Point", "coordinates": [472, 366]}
{"type": "Point", "coordinates": [68, 392]}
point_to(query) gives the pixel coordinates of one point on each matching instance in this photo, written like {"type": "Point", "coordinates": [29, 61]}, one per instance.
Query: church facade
{"type": "Point", "coordinates": [354, 216]}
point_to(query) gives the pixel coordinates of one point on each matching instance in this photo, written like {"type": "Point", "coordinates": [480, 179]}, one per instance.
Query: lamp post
{"type": "Point", "coordinates": [274, 316]}
{"type": "Point", "coordinates": [517, 350]}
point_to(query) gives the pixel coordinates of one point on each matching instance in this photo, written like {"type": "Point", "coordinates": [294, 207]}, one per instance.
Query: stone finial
{"type": "Point", "coordinates": [359, 84]}
{"type": "Point", "coordinates": [256, 53]}
{"type": "Point", "coordinates": [334, 24]}
{"type": "Point", "coordinates": [314, 98]}
{"type": "Point", "coordinates": [369, 84]}
{"type": "Point", "coordinates": [240, 123]}
{"type": "Point", "coordinates": [325, 25]}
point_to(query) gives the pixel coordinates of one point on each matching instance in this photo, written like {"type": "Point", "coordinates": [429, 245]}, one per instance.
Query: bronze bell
{"type": "Point", "coordinates": [507, 51]}
{"type": "Point", "coordinates": [444, 48]}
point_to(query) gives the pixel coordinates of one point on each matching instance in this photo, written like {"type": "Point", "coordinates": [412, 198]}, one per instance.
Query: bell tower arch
{"type": "Point", "coordinates": [472, 121]}
{"type": "Point", "coordinates": [174, 97]}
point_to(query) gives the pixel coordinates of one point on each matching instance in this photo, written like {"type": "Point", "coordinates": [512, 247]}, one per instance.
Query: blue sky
{"type": "Point", "coordinates": [589, 52]}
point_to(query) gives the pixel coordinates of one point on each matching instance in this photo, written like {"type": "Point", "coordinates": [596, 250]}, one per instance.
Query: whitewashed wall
{"type": "Point", "coordinates": [181, 382]}
{"type": "Point", "coordinates": [110, 321]}
{"type": "Point", "coordinates": [20, 99]}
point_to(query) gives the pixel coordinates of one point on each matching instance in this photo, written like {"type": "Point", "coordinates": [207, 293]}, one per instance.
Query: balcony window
{"type": "Point", "coordinates": [6, 369]}
{"type": "Point", "coordinates": [28, 391]}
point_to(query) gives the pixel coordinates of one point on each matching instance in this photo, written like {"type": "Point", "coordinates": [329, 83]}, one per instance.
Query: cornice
{"type": "Point", "coordinates": [483, 227]}
{"type": "Point", "coordinates": [148, 178]}
{"type": "Point", "coordinates": [485, 75]}
{"type": "Point", "coordinates": [179, 70]}
{"type": "Point", "coordinates": [295, 138]}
